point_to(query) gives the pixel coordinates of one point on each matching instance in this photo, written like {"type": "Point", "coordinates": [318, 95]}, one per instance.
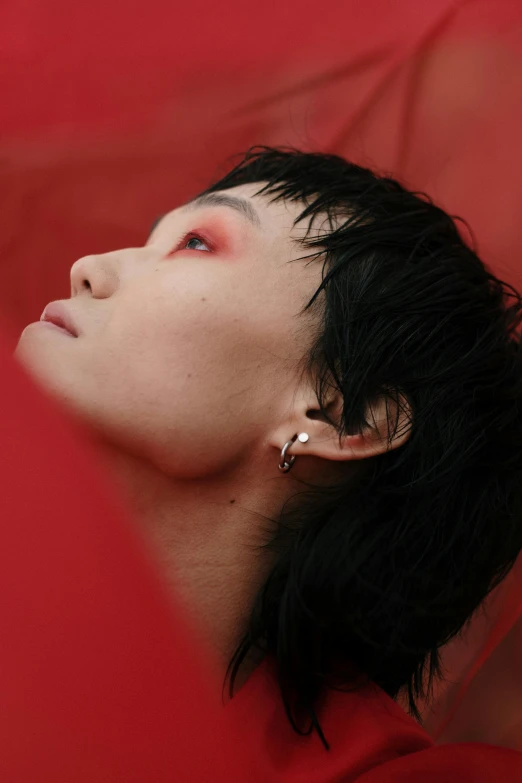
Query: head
{"type": "Point", "coordinates": [301, 292]}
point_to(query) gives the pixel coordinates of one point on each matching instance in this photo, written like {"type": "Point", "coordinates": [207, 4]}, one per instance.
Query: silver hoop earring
{"type": "Point", "coordinates": [285, 464]}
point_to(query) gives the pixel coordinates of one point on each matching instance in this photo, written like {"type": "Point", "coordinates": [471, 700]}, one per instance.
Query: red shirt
{"type": "Point", "coordinates": [371, 740]}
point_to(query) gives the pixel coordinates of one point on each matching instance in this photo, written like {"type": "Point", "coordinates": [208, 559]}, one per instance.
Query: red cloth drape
{"type": "Point", "coordinates": [113, 112]}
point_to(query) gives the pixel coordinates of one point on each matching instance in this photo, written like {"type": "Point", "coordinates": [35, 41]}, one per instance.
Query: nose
{"type": "Point", "coordinates": [95, 274]}
{"type": "Point", "coordinates": [103, 274]}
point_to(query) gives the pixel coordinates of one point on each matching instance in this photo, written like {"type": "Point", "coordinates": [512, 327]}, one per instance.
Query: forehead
{"type": "Point", "coordinates": [276, 218]}
{"type": "Point", "coordinates": [281, 216]}
{"type": "Point", "coordinates": [272, 221]}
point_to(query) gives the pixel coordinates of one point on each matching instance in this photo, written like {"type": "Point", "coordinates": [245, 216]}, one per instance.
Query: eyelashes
{"type": "Point", "coordinates": [189, 237]}
{"type": "Point", "coordinates": [196, 235]}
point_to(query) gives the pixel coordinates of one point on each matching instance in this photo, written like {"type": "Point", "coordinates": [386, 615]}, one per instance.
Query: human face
{"type": "Point", "coordinates": [189, 347]}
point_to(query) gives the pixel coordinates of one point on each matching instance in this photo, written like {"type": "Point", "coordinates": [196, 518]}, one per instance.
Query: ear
{"type": "Point", "coordinates": [324, 441]}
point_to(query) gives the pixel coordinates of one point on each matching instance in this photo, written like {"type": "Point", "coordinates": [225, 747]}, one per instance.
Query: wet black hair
{"type": "Point", "coordinates": [375, 574]}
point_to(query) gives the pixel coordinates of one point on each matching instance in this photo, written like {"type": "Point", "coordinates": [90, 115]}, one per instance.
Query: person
{"type": "Point", "coordinates": [306, 386]}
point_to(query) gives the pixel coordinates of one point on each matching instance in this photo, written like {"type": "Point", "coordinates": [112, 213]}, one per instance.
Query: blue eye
{"type": "Point", "coordinates": [196, 239]}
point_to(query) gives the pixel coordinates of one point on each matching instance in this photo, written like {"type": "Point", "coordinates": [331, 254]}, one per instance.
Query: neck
{"type": "Point", "coordinates": [205, 537]}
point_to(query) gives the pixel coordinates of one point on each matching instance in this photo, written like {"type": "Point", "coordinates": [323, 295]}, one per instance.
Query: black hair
{"type": "Point", "coordinates": [375, 574]}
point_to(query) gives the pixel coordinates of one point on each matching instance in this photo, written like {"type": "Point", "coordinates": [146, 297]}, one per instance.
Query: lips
{"type": "Point", "coordinates": [56, 313]}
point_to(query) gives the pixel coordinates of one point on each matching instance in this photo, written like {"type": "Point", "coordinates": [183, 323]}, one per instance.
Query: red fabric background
{"type": "Point", "coordinates": [113, 112]}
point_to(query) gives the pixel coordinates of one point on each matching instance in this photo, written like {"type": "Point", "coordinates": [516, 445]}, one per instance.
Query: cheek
{"type": "Point", "coordinates": [186, 368]}
{"type": "Point", "coordinates": [193, 395]}
{"type": "Point", "coordinates": [185, 389]}
{"type": "Point", "coordinates": [163, 346]}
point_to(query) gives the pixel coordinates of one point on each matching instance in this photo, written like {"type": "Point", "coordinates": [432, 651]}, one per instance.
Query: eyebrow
{"type": "Point", "coordinates": [241, 205]}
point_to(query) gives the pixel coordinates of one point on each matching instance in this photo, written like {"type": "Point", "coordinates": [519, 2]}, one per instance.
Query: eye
{"type": "Point", "coordinates": [194, 240]}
